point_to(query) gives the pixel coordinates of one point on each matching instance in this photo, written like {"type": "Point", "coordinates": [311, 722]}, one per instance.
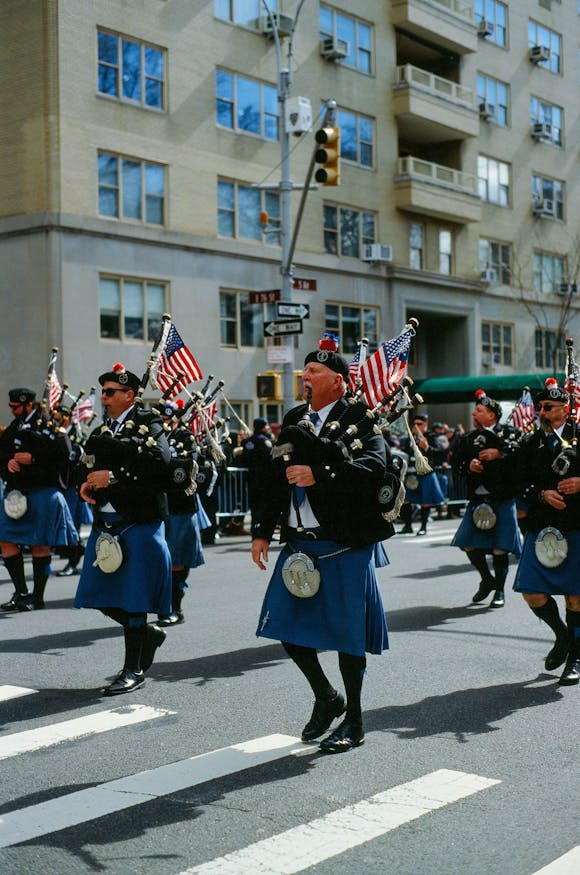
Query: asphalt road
{"type": "Point", "coordinates": [470, 765]}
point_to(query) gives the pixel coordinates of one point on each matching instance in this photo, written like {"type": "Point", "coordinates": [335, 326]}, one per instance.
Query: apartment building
{"type": "Point", "coordinates": [141, 142]}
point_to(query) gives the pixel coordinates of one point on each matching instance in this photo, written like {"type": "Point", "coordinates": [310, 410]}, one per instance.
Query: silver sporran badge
{"type": "Point", "coordinates": [109, 553]}
{"type": "Point", "coordinates": [300, 575]}
{"type": "Point", "coordinates": [15, 504]}
{"type": "Point", "coordinates": [551, 547]}
{"type": "Point", "coordinates": [484, 517]}
{"type": "Point", "coordinates": [411, 482]}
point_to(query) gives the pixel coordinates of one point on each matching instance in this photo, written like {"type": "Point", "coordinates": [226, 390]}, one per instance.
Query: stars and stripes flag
{"type": "Point", "coordinates": [354, 368]}
{"type": "Point", "coordinates": [85, 409]}
{"type": "Point", "coordinates": [174, 358]}
{"type": "Point", "coordinates": [53, 385]}
{"type": "Point", "coordinates": [382, 372]}
{"type": "Point", "coordinates": [204, 419]}
{"type": "Point", "coordinates": [523, 414]}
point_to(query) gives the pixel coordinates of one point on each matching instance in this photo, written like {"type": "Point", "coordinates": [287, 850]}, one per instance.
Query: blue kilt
{"type": "Point", "coordinates": [428, 491]}
{"type": "Point", "coordinates": [143, 582]}
{"type": "Point", "coordinates": [80, 511]}
{"type": "Point", "coordinates": [184, 540]}
{"type": "Point", "coordinates": [532, 576]}
{"type": "Point", "coordinates": [203, 520]}
{"type": "Point", "coordinates": [505, 535]}
{"type": "Point", "coordinates": [346, 614]}
{"type": "Point", "coordinates": [380, 557]}
{"type": "Point", "coordinates": [46, 523]}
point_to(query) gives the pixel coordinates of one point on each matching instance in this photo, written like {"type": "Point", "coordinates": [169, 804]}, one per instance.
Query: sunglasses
{"type": "Point", "coordinates": [110, 392]}
{"type": "Point", "coordinates": [548, 407]}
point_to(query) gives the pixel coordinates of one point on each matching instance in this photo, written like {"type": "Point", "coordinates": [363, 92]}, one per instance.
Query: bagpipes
{"type": "Point", "coordinates": [152, 363]}
{"type": "Point", "coordinates": [563, 461]}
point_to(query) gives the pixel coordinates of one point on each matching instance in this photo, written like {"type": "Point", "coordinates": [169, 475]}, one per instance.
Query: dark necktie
{"type": "Point", "coordinates": [114, 425]}
{"type": "Point", "coordinates": [553, 441]}
{"type": "Point", "coordinates": [300, 491]}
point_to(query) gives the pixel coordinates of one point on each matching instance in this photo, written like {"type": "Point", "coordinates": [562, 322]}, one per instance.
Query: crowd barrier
{"type": "Point", "coordinates": [233, 498]}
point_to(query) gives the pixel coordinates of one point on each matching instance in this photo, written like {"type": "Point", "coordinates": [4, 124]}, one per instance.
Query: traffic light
{"type": "Point", "coordinates": [269, 386]}
{"type": "Point", "coordinates": [328, 155]}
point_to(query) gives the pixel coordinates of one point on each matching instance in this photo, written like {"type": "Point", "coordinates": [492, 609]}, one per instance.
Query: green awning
{"type": "Point", "coordinates": [441, 390]}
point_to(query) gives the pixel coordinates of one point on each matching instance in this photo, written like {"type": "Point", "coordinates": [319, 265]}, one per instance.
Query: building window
{"type": "Point", "coordinates": [416, 244]}
{"type": "Point", "coordinates": [131, 70]}
{"type": "Point", "coordinates": [546, 189]}
{"type": "Point", "coordinates": [493, 179]}
{"type": "Point", "coordinates": [351, 324]}
{"type": "Point", "coordinates": [130, 188]}
{"type": "Point", "coordinates": [131, 309]}
{"type": "Point", "coordinates": [356, 33]}
{"type": "Point", "coordinates": [496, 343]}
{"type": "Point", "coordinates": [549, 272]}
{"type": "Point", "coordinates": [346, 230]}
{"type": "Point", "coordinates": [242, 323]}
{"type": "Point", "coordinates": [356, 137]}
{"type": "Point", "coordinates": [445, 252]}
{"type": "Point", "coordinates": [246, 106]}
{"type": "Point", "coordinates": [495, 95]}
{"type": "Point", "coordinates": [239, 208]}
{"type": "Point", "coordinates": [246, 12]}
{"type": "Point", "coordinates": [496, 14]}
{"type": "Point", "coordinates": [539, 35]}
{"type": "Point", "coordinates": [494, 255]}
{"type": "Point", "coordinates": [547, 114]}
{"type": "Point", "coordinates": [550, 353]}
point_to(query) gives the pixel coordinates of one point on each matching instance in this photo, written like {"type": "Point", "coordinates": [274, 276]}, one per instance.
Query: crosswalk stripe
{"type": "Point", "coordinates": [311, 843]}
{"type": "Point", "coordinates": [84, 805]}
{"type": "Point", "coordinates": [9, 692]}
{"type": "Point", "coordinates": [69, 730]}
{"type": "Point", "coordinates": [568, 864]}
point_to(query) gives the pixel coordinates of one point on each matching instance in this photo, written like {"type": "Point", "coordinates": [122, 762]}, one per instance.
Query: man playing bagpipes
{"type": "Point", "coordinates": [326, 488]}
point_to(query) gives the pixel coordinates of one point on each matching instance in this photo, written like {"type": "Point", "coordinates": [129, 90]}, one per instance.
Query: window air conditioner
{"type": "Point", "coordinates": [485, 28]}
{"type": "Point", "coordinates": [544, 207]}
{"type": "Point", "coordinates": [568, 289]}
{"type": "Point", "coordinates": [486, 359]}
{"type": "Point", "coordinates": [334, 49]}
{"type": "Point", "coordinates": [377, 252]}
{"type": "Point", "coordinates": [541, 132]}
{"type": "Point", "coordinates": [489, 275]}
{"type": "Point", "coordinates": [486, 111]}
{"type": "Point", "coordinates": [539, 53]}
{"type": "Point", "coordinates": [284, 24]}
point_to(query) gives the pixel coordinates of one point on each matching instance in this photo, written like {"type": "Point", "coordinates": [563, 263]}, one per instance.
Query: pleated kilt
{"type": "Point", "coordinates": [46, 523]}
{"type": "Point", "coordinates": [380, 557]}
{"type": "Point", "coordinates": [184, 539]}
{"type": "Point", "coordinates": [505, 535]}
{"type": "Point", "coordinates": [203, 520]}
{"type": "Point", "coordinates": [346, 614]}
{"type": "Point", "coordinates": [427, 492]}
{"type": "Point", "coordinates": [80, 511]}
{"type": "Point", "coordinates": [532, 576]}
{"type": "Point", "coordinates": [143, 582]}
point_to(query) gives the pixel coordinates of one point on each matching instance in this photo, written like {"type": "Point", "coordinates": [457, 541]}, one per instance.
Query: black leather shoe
{"type": "Point", "coordinates": [154, 638]}
{"type": "Point", "coordinates": [498, 600]}
{"type": "Point", "coordinates": [345, 737]}
{"type": "Point", "coordinates": [558, 653]}
{"type": "Point", "coordinates": [422, 531]}
{"type": "Point", "coordinates": [323, 713]}
{"type": "Point", "coordinates": [571, 673]}
{"type": "Point", "coordinates": [484, 590]}
{"type": "Point", "coordinates": [406, 530]}
{"type": "Point", "coordinates": [173, 619]}
{"type": "Point", "coordinates": [67, 571]}
{"type": "Point", "coordinates": [126, 682]}
{"type": "Point", "coordinates": [15, 604]}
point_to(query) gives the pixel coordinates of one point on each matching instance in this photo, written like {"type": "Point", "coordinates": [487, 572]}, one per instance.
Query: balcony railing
{"type": "Point", "coordinates": [459, 7]}
{"type": "Point", "coordinates": [407, 74]}
{"type": "Point", "coordinates": [438, 174]}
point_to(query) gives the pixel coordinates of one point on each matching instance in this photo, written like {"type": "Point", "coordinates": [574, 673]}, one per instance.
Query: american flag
{"type": "Point", "coordinates": [383, 371]}
{"type": "Point", "coordinates": [85, 409]}
{"type": "Point", "coordinates": [54, 387]}
{"type": "Point", "coordinates": [523, 413]}
{"type": "Point", "coordinates": [353, 369]}
{"type": "Point", "coordinates": [176, 357]}
{"type": "Point", "coordinates": [204, 419]}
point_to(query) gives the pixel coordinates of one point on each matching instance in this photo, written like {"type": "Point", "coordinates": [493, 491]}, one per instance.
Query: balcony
{"type": "Point", "coordinates": [430, 109]}
{"type": "Point", "coordinates": [448, 24]}
{"type": "Point", "coordinates": [437, 191]}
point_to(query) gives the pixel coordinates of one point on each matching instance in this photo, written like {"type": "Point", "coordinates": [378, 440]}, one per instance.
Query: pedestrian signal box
{"type": "Point", "coordinates": [269, 386]}
{"type": "Point", "coordinates": [298, 386]}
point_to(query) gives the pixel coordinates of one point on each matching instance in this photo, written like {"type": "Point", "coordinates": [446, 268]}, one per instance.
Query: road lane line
{"type": "Point", "coordinates": [69, 730]}
{"type": "Point", "coordinates": [84, 805]}
{"type": "Point", "coordinates": [569, 864]}
{"type": "Point", "coordinates": [311, 843]}
{"type": "Point", "coordinates": [9, 692]}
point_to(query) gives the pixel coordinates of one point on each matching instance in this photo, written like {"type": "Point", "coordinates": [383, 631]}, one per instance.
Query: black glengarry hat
{"type": "Point", "coordinates": [119, 374]}
{"type": "Point", "coordinates": [552, 392]}
{"type": "Point", "coordinates": [21, 395]}
{"type": "Point", "coordinates": [494, 406]}
{"type": "Point", "coordinates": [327, 355]}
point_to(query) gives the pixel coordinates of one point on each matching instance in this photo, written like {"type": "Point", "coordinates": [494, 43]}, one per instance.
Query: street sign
{"type": "Point", "coordinates": [268, 297]}
{"type": "Point", "coordinates": [273, 329]}
{"type": "Point", "coordinates": [304, 285]}
{"type": "Point", "coordinates": [297, 311]}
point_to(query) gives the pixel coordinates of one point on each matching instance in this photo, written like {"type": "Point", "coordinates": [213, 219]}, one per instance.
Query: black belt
{"type": "Point", "coordinates": [305, 534]}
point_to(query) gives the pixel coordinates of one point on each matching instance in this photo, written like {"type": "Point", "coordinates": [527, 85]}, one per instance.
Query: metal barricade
{"type": "Point", "coordinates": [233, 499]}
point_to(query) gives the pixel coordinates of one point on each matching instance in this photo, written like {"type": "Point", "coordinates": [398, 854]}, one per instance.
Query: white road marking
{"type": "Point", "coordinates": [84, 805]}
{"type": "Point", "coordinates": [9, 692]}
{"type": "Point", "coordinates": [569, 864]}
{"type": "Point", "coordinates": [326, 837]}
{"type": "Point", "coordinates": [69, 730]}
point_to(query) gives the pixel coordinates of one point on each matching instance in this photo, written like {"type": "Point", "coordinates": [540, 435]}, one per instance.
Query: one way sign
{"type": "Point", "coordinates": [283, 327]}
{"type": "Point", "coordinates": [296, 311]}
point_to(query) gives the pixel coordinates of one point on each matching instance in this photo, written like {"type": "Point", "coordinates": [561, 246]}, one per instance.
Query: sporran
{"type": "Point", "coordinates": [551, 547]}
{"type": "Point", "coordinates": [15, 504]}
{"type": "Point", "coordinates": [109, 553]}
{"type": "Point", "coordinates": [484, 517]}
{"type": "Point", "coordinates": [300, 575]}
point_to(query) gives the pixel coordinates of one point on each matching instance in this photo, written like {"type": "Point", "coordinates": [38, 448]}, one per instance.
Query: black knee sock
{"type": "Point", "coordinates": [478, 560]}
{"type": "Point", "coordinates": [501, 563]}
{"type": "Point", "coordinates": [116, 614]}
{"type": "Point", "coordinates": [550, 614]}
{"type": "Point", "coordinates": [178, 577]}
{"type": "Point", "coordinates": [425, 511]}
{"type": "Point", "coordinates": [406, 514]}
{"type": "Point", "coordinates": [134, 638]}
{"type": "Point", "coordinates": [352, 669]}
{"type": "Point", "coordinates": [15, 568]}
{"type": "Point", "coordinates": [573, 623]}
{"type": "Point", "coordinates": [306, 658]}
{"type": "Point", "coordinates": [40, 566]}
